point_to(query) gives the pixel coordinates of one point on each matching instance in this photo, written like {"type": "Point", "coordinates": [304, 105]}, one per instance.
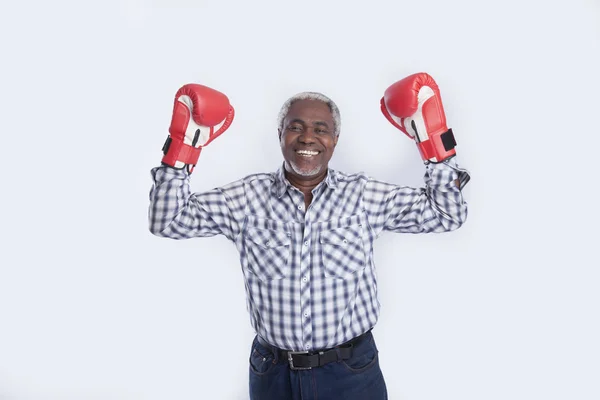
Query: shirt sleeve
{"type": "Point", "coordinates": [437, 207]}
{"type": "Point", "coordinates": [177, 213]}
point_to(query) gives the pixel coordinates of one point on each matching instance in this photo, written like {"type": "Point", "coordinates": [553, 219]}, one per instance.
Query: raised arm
{"type": "Point", "coordinates": [200, 114]}
{"type": "Point", "coordinates": [414, 106]}
{"type": "Point", "coordinates": [437, 207]}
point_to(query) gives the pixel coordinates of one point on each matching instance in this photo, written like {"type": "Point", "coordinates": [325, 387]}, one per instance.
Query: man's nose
{"type": "Point", "coordinates": [308, 135]}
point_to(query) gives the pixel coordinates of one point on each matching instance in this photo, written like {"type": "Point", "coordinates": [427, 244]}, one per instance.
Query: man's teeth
{"type": "Point", "coordinates": [307, 153]}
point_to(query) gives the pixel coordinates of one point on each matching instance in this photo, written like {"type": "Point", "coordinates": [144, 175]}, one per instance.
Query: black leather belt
{"type": "Point", "coordinates": [301, 360]}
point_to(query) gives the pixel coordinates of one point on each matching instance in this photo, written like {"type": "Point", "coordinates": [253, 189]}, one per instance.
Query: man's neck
{"type": "Point", "coordinates": [305, 184]}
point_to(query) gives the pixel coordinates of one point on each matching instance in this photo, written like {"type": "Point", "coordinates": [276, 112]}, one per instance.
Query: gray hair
{"type": "Point", "coordinates": [335, 112]}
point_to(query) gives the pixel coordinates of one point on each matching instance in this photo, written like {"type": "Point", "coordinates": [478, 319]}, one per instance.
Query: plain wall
{"type": "Point", "coordinates": [92, 306]}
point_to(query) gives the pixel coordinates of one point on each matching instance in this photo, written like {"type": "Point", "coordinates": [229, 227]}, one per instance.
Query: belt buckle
{"type": "Point", "coordinates": [291, 360]}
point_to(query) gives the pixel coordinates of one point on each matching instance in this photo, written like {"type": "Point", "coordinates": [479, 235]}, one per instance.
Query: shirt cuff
{"type": "Point", "coordinates": [166, 172]}
{"type": "Point", "coordinates": [463, 175]}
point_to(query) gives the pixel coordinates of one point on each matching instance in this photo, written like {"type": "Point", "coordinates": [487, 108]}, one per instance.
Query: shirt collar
{"type": "Point", "coordinates": [281, 183]}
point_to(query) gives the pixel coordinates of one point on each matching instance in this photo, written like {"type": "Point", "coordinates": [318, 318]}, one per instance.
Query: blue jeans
{"type": "Point", "coordinates": [358, 378]}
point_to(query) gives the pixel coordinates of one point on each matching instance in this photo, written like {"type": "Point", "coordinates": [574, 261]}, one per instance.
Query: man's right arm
{"type": "Point", "coordinates": [177, 213]}
{"type": "Point", "coordinates": [200, 114]}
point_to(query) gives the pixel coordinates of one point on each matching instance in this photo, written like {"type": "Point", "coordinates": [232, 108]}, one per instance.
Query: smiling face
{"type": "Point", "coordinates": [308, 139]}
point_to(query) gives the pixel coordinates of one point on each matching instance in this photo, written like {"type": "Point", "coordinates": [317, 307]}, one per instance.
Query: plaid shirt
{"type": "Point", "coordinates": [309, 274]}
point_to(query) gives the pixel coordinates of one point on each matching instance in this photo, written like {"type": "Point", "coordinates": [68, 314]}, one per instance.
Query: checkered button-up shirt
{"type": "Point", "coordinates": [309, 274]}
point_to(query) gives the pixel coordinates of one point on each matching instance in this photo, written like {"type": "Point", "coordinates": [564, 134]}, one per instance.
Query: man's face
{"type": "Point", "coordinates": [308, 138]}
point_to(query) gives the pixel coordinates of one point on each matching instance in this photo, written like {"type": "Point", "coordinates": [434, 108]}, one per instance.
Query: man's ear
{"type": "Point", "coordinates": [279, 134]}
{"type": "Point", "coordinates": [335, 139]}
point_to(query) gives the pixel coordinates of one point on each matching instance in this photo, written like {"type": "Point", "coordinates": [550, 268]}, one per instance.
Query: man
{"type": "Point", "coordinates": [305, 233]}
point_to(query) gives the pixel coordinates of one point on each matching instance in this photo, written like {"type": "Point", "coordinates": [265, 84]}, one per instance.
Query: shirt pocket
{"type": "Point", "coordinates": [342, 251]}
{"type": "Point", "coordinates": [268, 253]}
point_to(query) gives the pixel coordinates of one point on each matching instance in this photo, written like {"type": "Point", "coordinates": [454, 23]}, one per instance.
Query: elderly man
{"type": "Point", "coordinates": [305, 233]}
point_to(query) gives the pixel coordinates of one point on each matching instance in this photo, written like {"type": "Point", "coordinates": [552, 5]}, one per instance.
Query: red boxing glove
{"type": "Point", "coordinates": [200, 115]}
{"type": "Point", "coordinates": [414, 106]}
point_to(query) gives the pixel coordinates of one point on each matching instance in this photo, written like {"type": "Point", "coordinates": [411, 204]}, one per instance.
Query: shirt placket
{"type": "Point", "coordinates": [305, 271]}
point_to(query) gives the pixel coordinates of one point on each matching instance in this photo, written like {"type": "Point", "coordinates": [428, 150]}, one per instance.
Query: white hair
{"type": "Point", "coordinates": [335, 112]}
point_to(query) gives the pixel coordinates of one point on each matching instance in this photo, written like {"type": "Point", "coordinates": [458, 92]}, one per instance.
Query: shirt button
{"type": "Point", "coordinates": [306, 243]}
{"type": "Point", "coordinates": [300, 207]}
{"type": "Point", "coordinates": [304, 279]}
{"type": "Point", "coordinates": [307, 346]}
{"type": "Point", "coordinates": [306, 314]}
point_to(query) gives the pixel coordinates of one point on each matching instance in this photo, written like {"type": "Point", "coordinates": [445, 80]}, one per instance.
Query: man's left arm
{"type": "Point", "coordinates": [414, 106]}
{"type": "Point", "coordinates": [438, 206]}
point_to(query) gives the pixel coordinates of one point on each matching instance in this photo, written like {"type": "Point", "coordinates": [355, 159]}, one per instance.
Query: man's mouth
{"type": "Point", "coordinates": [307, 153]}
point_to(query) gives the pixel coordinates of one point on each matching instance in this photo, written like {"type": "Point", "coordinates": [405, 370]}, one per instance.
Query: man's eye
{"type": "Point", "coordinates": [294, 128]}
{"type": "Point", "coordinates": [320, 131]}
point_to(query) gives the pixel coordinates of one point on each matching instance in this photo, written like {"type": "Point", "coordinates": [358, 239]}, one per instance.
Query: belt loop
{"type": "Point", "coordinates": [337, 352]}
{"type": "Point", "coordinates": [275, 354]}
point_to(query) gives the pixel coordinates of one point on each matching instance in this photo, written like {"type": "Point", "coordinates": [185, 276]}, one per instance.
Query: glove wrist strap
{"type": "Point", "coordinates": [438, 148]}
{"type": "Point", "coordinates": [177, 150]}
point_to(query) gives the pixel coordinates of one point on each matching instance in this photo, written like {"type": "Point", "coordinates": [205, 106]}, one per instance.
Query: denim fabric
{"type": "Point", "coordinates": [358, 378]}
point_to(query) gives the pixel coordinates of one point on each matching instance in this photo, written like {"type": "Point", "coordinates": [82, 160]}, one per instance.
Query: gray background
{"type": "Point", "coordinates": [92, 306]}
